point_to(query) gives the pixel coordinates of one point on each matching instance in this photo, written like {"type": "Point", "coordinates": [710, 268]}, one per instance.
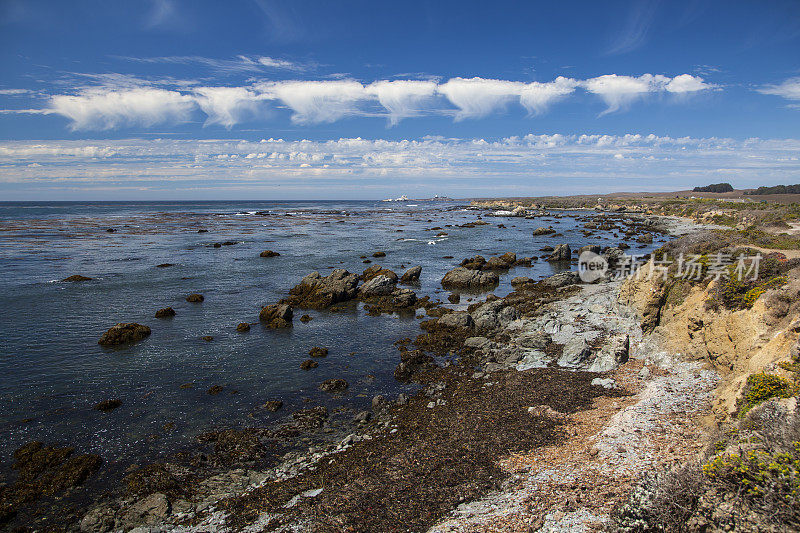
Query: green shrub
{"type": "Point", "coordinates": [761, 387]}
{"type": "Point", "coordinates": [758, 473]}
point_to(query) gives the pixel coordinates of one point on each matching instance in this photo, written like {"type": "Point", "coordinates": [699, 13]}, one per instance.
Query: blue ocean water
{"type": "Point", "coordinates": [53, 371]}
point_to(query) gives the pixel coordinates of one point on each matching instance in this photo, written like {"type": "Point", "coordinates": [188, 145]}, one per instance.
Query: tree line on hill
{"type": "Point", "coordinates": [715, 187]}
{"type": "Point", "coordinates": [777, 189]}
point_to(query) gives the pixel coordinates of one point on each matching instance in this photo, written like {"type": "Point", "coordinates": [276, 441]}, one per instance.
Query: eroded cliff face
{"type": "Point", "coordinates": [735, 343]}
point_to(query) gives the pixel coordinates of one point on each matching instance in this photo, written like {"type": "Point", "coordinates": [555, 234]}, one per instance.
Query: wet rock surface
{"type": "Point", "coordinates": [124, 333]}
{"type": "Point", "coordinates": [76, 278]}
{"type": "Point", "coordinates": [466, 278]}
{"type": "Point", "coordinates": [276, 316]}
{"type": "Point", "coordinates": [411, 275]}
{"type": "Point", "coordinates": [166, 312]}
{"type": "Point", "coordinates": [320, 292]}
{"type": "Point", "coordinates": [195, 298]}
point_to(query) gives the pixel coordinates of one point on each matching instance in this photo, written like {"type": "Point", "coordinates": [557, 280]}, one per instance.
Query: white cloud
{"type": "Point", "coordinates": [479, 97]}
{"type": "Point", "coordinates": [402, 98]}
{"type": "Point", "coordinates": [618, 92]}
{"type": "Point", "coordinates": [103, 109]}
{"type": "Point", "coordinates": [240, 63]}
{"type": "Point", "coordinates": [537, 97]}
{"type": "Point", "coordinates": [228, 106]}
{"type": "Point", "coordinates": [14, 92]}
{"type": "Point", "coordinates": [316, 102]}
{"type": "Point", "coordinates": [789, 89]}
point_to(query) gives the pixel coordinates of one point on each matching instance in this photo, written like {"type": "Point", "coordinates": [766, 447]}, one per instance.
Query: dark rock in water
{"type": "Point", "coordinates": [313, 417]}
{"type": "Point", "coordinates": [276, 315]}
{"type": "Point", "coordinates": [333, 385]}
{"type": "Point", "coordinates": [411, 363]}
{"type": "Point", "coordinates": [316, 351]}
{"type": "Point", "coordinates": [166, 312]}
{"type": "Point", "coordinates": [207, 338]}
{"type": "Point", "coordinates": [474, 263]}
{"type": "Point", "coordinates": [305, 319]}
{"type": "Point", "coordinates": [165, 265]}
{"type": "Point", "coordinates": [243, 327]}
{"type": "Point", "coordinates": [228, 243]}
{"type": "Point", "coordinates": [404, 298]}
{"type": "Point", "coordinates": [503, 262]}
{"type": "Point", "coordinates": [317, 292]}
{"type": "Point", "coordinates": [308, 364]}
{"type": "Point", "coordinates": [378, 401]}
{"type": "Point", "coordinates": [202, 231]}
{"type": "Point", "coordinates": [378, 286]}
{"type": "Point", "coordinates": [594, 248]}
{"type": "Point", "coordinates": [124, 333]}
{"type": "Point", "coordinates": [647, 238]}
{"type": "Point", "coordinates": [454, 298]}
{"type": "Point", "coordinates": [45, 471]}
{"type": "Point", "coordinates": [623, 246]}
{"type": "Point", "coordinates": [216, 389]}
{"type": "Point", "coordinates": [376, 270]}
{"type": "Point", "coordinates": [546, 249]}
{"type": "Point", "coordinates": [379, 254]}
{"type": "Point", "coordinates": [521, 281]}
{"type": "Point", "coordinates": [273, 405]}
{"type": "Point", "coordinates": [217, 245]}
{"type": "Point", "coordinates": [457, 319]}
{"type": "Point", "coordinates": [108, 405]}
{"type": "Point", "coordinates": [411, 275]}
{"type": "Point", "coordinates": [543, 231]}
{"type": "Point", "coordinates": [269, 253]}
{"type": "Point", "coordinates": [562, 252]}
{"type": "Point", "coordinates": [111, 230]}
{"type": "Point", "coordinates": [465, 278]}
{"type": "Point", "coordinates": [76, 277]}
{"type": "Point", "coordinates": [195, 298]}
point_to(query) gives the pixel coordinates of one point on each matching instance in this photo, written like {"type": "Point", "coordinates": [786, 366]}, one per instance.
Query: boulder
{"type": "Point", "coordinates": [124, 333]}
{"type": "Point", "coordinates": [376, 270]}
{"type": "Point", "coordinates": [466, 278]}
{"type": "Point", "coordinates": [458, 319]}
{"type": "Point", "coordinates": [243, 327]}
{"type": "Point", "coordinates": [503, 262]}
{"type": "Point", "coordinates": [108, 405]}
{"type": "Point", "coordinates": [594, 248]}
{"type": "Point", "coordinates": [411, 275]}
{"type": "Point", "coordinates": [273, 405]}
{"type": "Point", "coordinates": [543, 231]}
{"type": "Point", "coordinates": [317, 292]}
{"type": "Point", "coordinates": [333, 385]}
{"type": "Point", "coordinates": [305, 319]}
{"type": "Point", "coordinates": [166, 312]}
{"type": "Point", "coordinates": [521, 281]}
{"type": "Point", "coordinates": [215, 389]}
{"type": "Point", "coordinates": [378, 286]}
{"type": "Point", "coordinates": [562, 279]}
{"type": "Point", "coordinates": [195, 298]}
{"type": "Point", "coordinates": [454, 298]}
{"type": "Point", "coordinates": [474, 263]}
{"type": "Point", "coordinates": [269, 253]}
{"type": "Point", "coordinates": [316, 351]}
{"type": "Point", "coordinates": [276, 315]}
{"type": "Point", "coordinates": [404, 298]}
{"type": "Point", "coordinates": [148, 511]}
{"type": "Point", "coordinates": [308, 364]}
{"type": "Point", "coordinates": [562, 252]}
{"type": "Point", "coordinates": [646, 238]}
{"type": "Point", "coordinates": [76, 277]}
{"type": "Point", "coordinates": [379, 254]}
{"type": "Point", "coordinates": [493, 315]}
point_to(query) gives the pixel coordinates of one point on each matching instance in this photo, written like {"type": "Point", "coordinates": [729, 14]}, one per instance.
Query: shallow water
{"type": "Point", "coordinates": [54, 371]}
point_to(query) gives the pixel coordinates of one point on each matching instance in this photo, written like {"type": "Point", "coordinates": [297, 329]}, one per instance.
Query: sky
{"type": "Point", "coordinates": [301, 99]}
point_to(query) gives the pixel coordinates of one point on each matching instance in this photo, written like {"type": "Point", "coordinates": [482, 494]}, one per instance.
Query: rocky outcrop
{"type": "Point", "coordinates": [503, 262]}
{"type": "Point", "coordinates": [269, 253]}
{"type": "Point", "coordinates": [195, 298]}
{"type": "Point", "coordinates": [378, 286]}
{"type": "Point", "coordinates": [333, 385]}
{"type": "Point", "coordinates": [562, 279]}
{"type": "Point", "coordinates": [243, 327]}
{"type": "Point", "coordinates": [316, 351]}
{"type": "Point", "coordinates": [317, 292]}
{"type": "Point", "coordinates": [124, 333]}
{"type": "Point", "coordinates": [491, 316]}
{"type": "Point", "coordinates": [76, 277]}
{"type": "Point", "coordinates": [376, 270]}
{"type": "Point", "coordinates": [276, 316]}
{"type": "Point", "coordinates": [543, 231]}
{"type": "Point", "coordinates": [412, 362]}
{"type": "Point", "coordinates": [562, 252]}
{"type": "Point", "coordinates": [166, 312]}
{"type": "Point", "coordinates": [456, 319]}
{"type": "Point", "coordinates": [466, 278]}
{"type": "Point", "coordinates": [411, 275]}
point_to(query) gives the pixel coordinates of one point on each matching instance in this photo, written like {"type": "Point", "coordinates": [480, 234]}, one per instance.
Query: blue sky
{"type": "Point", "coordinates": [173, 98]}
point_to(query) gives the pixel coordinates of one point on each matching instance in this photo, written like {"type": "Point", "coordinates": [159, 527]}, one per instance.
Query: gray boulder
{"type": "Point", "coordinates": [562, 279]}
{"type": "Point", "coordinates": [562, 252]}
{"type": "Point", "coordinates": [317, 292]}
{"type": "Point", "coordinates": [411, 275]}
{"type": "Point", "coordinates": [493, 315]}
{"type": "Point", "coordinates": [465, 278]}
{"type": "Point", "coordinates": [377, 286]}
{"type": "Point", "coordinates": [458, 319]}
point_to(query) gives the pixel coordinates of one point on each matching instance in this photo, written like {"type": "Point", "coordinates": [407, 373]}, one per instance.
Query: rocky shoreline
{"type": "Point", "coordinates": [537, 411]}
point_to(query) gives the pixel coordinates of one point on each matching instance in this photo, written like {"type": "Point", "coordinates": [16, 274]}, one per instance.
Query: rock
{"type": "Point", "coordinates": [276, 315]}
{"type": "Point", "coordinates": [165, 265]}
{"type": "Point", "coordinates": [562, 252]}
{"type": "Point", "coordinates": [317, 292]}
{"type": "Point", "coordinates": [273, 405]}
{"type": "Point", "coordinates": [404, 298]}
{"type": "Point", "coordinates": [111, 230]}
{"type": "Point", "coordinates": [124, 333]}
{"type": "Point", "coordinates": [476, 342]}
{"type": "Point", "coordinates": [503, 262]}
{"type": "Point", "coordinates": [594, 248]}
{"type": "Point", "coordinates": [543, 231]}
{"type": "Point", "coordinates": [411, 275]}
{"type": "Point", "coordinates": [316, 351]}
{"type": "Point", "coordinates": [521, 281]}
{"type": "Point", "coordinates": [465, 278]}
{"type": "Point", "coordinates": [377, 270]}
{"type": "Point", "coordinates": [243, 327]}
{"type": "Point", "coordinates": [313, 417]}
{"type": "Point", "coordinates": [412, 362]}
{"type": "Point", "coordinates": [362, 417]}
{"type": "Point", "coordinates": [546, 411]}
{"type": "Point", "coordinates": [646, 238]}
{"type": "Point", "coordinates": [454, 298]}
{"type": "Point", "coordinates": [215, 389]}
{"type": "Point", "coordinates": [207, 338]}
{"type": "Point", "coordinates": [305, 319]}
{"type": "Point", "coordinates": [379, 254]}
{"type": "Point", "coordinates": [148, 511]}
{"type": "Point", "coordinates": [644, 373]}
{"type": "Point", "coordinates": [402, 399]}
{"type": "Point", "coordinates": [378, 401]}
{"type": "Point", "coordinates": [202, 231]}
{"type": "Point", "coordinates": [76, 277]}
{"type": "Point", "coordinates": [493, 315]}
{"type": "Point", "coordinates": [308, 364]}
{"type": "Point", "coordinates": [458, 319]}
{"type": "Point", "coordinates": [378, 286]}
{"type": "Point", "coordinates": [606, 383]}
{"type": "Point", "coordinates": [108, 405]}
{"type": "Point", "coordinates": [474, 263]}
{"type": "Point", "coordinates": [269, 253]}
{"type": "Point", "coordinates": [166, 312]}
{"type": "Point", "coordinates": [98, 520]}
{"type": "Point", "coordinates": [562, 279]}
{"type": "Point", "coordinates": [614, 255]}
{"type": "Point", "coordinates": [195, 298]}
{"type": "Point", "coordinates": [333, 385]}
{"type": "Point", "coordinates": [546, 249]}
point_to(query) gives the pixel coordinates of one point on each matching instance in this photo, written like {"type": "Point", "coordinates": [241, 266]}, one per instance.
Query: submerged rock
{"type": "Point", "coordinates": [215, 389]}
{"type": "Point", "coordinates": [543, 231]}
{"type": "Point", "coordinates": [243, 327]}
{"type": "Point", "coordinates": [276, 315]}
{"type": "Point", "coordinates": [305, 319]}
{"type": "Point", "coordinates": [76, 277]}
{"type": "Point", "coordinates": [316, 351]}
{"type": "Point", "coordinates": [317, 292]}
{"type": "Point", "coordinates": [166, 312]}
{"type": "Point", "coordinates": [195, 298]}
{"type": "Point", "coordinates": [124, 333]}
{"type": "Point", "coordinates": [269, 253]}
{"type": "Point", "coordinates": [308, 364]}
{"type": "Point", "coordinates": [411, 275]}
{"type": "Point", "coordinates": [466, 278]}
{"type": "Point", "coordinates": [273, 405]}
{"type": "Point", "coordinates": [108, 405]}
{"type": "Point", "coordinates": [333, 385]}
